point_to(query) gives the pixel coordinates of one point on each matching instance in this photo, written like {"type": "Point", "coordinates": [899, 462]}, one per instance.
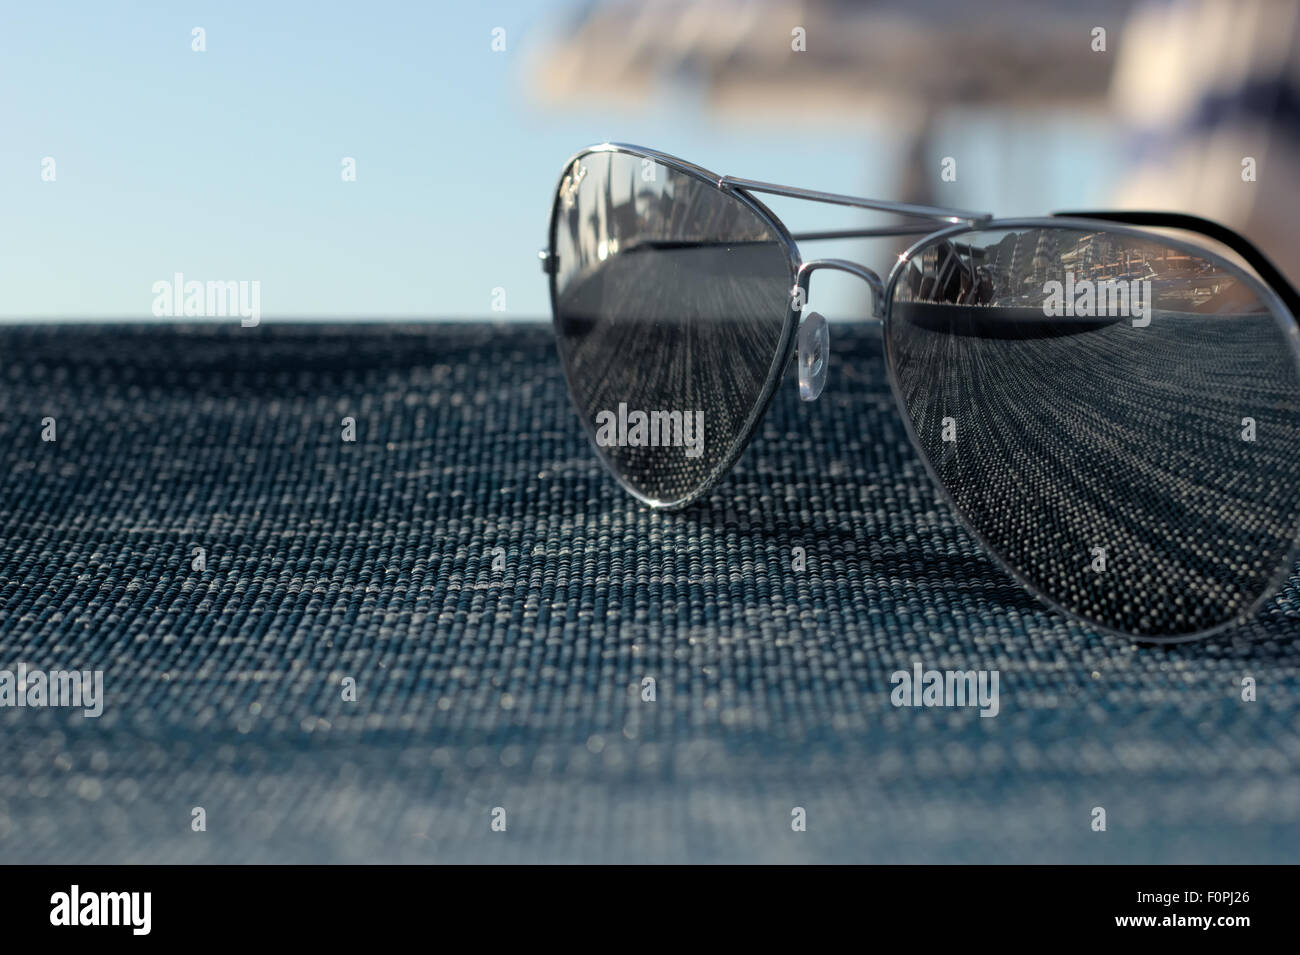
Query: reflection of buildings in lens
{"type": "Point", "coordinates": [1011, 268]}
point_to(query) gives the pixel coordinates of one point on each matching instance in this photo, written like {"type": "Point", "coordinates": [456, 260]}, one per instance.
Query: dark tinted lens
{"type": "Point", "coordinates": [1117, 418]}
{"type": "Point", "coordinates": [670, 300]}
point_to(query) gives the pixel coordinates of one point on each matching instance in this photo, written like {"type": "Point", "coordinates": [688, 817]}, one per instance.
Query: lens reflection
{"type": "Point", "coordinates": [1119, 419]}
{"type": "Point", "coordinates": [670, 300]}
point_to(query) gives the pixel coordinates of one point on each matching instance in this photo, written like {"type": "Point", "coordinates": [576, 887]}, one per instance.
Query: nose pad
{"type": "Point", "coordinates": [814, 355]}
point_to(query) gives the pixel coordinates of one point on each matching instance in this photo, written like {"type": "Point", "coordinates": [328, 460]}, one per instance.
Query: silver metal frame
{"type": "Point", "coordinates": [945, 223]}
{"type": "Point", "coordinates": [727, 183]}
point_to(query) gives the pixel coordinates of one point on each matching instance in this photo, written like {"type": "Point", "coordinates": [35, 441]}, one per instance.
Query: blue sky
{"type": "Point", "coordinates": [226, 164]}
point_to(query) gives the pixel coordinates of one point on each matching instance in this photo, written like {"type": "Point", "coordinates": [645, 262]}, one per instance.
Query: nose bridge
{"type": "Point", "coordinates": [853, 268]}
{"type": "Point", "coordinates": [813, 342]}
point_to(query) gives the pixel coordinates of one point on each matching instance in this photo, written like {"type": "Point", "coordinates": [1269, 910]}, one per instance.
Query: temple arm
{"type": "Point", "coordinates": [834, 198]}
{"type": "Point", "coordinates": [879, 232]}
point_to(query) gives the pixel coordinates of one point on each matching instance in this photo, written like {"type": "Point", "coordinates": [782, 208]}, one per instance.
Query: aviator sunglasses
{"type": "Point", "coordinates": [1114, 414]}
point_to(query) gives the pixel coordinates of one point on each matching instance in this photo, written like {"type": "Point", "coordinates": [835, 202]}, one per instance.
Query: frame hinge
{"type": "Point", "coordinates": [550, 261]}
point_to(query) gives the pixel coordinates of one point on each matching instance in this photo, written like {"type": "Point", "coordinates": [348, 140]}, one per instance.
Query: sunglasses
{"type": "Point", "coordinates": [1114, 414]}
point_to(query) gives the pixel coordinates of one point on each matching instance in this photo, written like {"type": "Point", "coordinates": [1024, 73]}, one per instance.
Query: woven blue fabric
{"type": "Point", "coordinates": [520, 687]}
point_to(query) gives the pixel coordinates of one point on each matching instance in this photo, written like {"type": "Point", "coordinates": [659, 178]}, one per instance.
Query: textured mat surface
{"type": "Point", "coordinates": [520, 687]}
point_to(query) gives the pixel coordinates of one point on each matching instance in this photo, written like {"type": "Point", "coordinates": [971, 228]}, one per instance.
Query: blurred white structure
{"type": "Point", "coordinates": [1211, 92]}
{"type": "Point", "coordinates": [893, 63]}
{"type": "Point", "coordinates": [1194, 87]}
